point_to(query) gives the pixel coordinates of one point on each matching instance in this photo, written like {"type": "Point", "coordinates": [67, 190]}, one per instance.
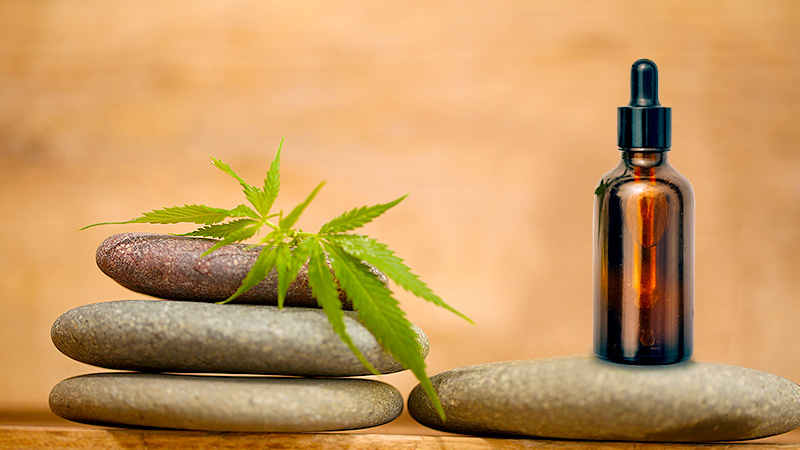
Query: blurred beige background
{"type": "Point", "coordinates": [498, 118]}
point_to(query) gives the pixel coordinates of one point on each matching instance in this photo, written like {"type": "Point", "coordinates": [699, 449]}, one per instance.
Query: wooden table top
{"type": "Point", "coordinates": [77, 438]}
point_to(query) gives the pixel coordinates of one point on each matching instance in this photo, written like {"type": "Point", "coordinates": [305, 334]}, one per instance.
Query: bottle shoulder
{"type": "Point", "coordinates": [662, 175]}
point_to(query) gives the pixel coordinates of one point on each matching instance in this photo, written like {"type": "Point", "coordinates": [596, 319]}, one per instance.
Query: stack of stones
{"type": "Point", "coordinates": [161, 342]}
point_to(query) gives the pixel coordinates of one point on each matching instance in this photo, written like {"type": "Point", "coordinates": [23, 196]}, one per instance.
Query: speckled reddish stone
{"type": "Point", "coordinates": [171, 267]}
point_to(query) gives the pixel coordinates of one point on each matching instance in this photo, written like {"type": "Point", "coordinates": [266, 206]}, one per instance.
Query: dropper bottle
{"type": "Point", "coordinates": [644, 239]}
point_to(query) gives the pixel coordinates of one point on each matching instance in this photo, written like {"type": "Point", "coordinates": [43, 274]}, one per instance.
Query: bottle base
{"type": "Point", "coordinates": [644, 360]}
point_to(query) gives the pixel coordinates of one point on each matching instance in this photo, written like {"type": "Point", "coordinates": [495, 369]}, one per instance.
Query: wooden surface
{"type": "Point", "coordinates": [112, 439]}
{"type": "Point", "coordinates": [497, 117]}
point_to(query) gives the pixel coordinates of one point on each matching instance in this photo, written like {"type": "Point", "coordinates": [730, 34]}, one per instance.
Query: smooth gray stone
{"type": "Point", "coordinates": [192, 337]}
{"type": "Point", "coordinates": [219, 403]}
{"type": "Point", "coordinates": [171, 267]}
{"type": "Point", "coordinates": [582, 397]}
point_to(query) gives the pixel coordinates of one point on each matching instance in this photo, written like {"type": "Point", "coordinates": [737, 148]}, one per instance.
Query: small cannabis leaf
{"type": "Point", "coordinates": [601, 188]}
{"type": "Point", "coordinates": [336, 260]}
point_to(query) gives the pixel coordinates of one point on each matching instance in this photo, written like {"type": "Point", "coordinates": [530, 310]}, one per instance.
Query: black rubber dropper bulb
{"type": "Point", "coordinates": [644, 123]}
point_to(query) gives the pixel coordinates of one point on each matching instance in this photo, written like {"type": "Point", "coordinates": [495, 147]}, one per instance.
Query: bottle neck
{"type": "Point", "coordinates": [645, 158]}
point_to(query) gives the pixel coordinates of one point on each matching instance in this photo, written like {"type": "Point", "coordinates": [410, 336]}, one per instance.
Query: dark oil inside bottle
{"type": "Point", "coordinates": [643, 262]}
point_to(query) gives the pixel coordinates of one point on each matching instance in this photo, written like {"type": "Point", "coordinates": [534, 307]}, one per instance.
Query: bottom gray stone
{"type": "Point", "coordinates": [582, 397]}
{"type": "Point", "coordinates": [225, 403]}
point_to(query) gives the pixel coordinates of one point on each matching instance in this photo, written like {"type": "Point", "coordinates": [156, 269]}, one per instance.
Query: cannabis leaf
{"type": "Point", "coordinates": [601, 188]}
{"type": "Point", "coordinates": [336, 260]}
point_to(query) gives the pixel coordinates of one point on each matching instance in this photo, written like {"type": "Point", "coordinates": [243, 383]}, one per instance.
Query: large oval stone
{"type": "Point", "coordinates": [171, 267]}
{"type": "Point", "coordinates": [582, 397]}
{"type": "Point", "coordinates": [192, 337]}
{"type": "Point", "coordinates": [219, 403]}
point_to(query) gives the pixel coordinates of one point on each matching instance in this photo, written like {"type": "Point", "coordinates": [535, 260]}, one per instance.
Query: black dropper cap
{"type": "Point", "coordinates": [644, 123]}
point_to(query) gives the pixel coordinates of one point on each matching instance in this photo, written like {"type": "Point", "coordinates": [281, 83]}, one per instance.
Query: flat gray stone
{"type": "Point", "coordinates": [192, 337]}
{"type": "Point", "coordinates": [582, 397]}
{"type": "Point", "coordinates": [218, 403]}
{"type": "Point", "coordinates": [171, 267]}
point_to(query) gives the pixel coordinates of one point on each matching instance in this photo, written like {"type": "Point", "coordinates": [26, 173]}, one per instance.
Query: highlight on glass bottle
{"type": "Point", "coordinates": [644, 239]}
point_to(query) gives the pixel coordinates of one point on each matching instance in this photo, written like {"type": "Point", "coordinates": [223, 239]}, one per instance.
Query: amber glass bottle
{"type": "Point", "coordinates": [644, 239]}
